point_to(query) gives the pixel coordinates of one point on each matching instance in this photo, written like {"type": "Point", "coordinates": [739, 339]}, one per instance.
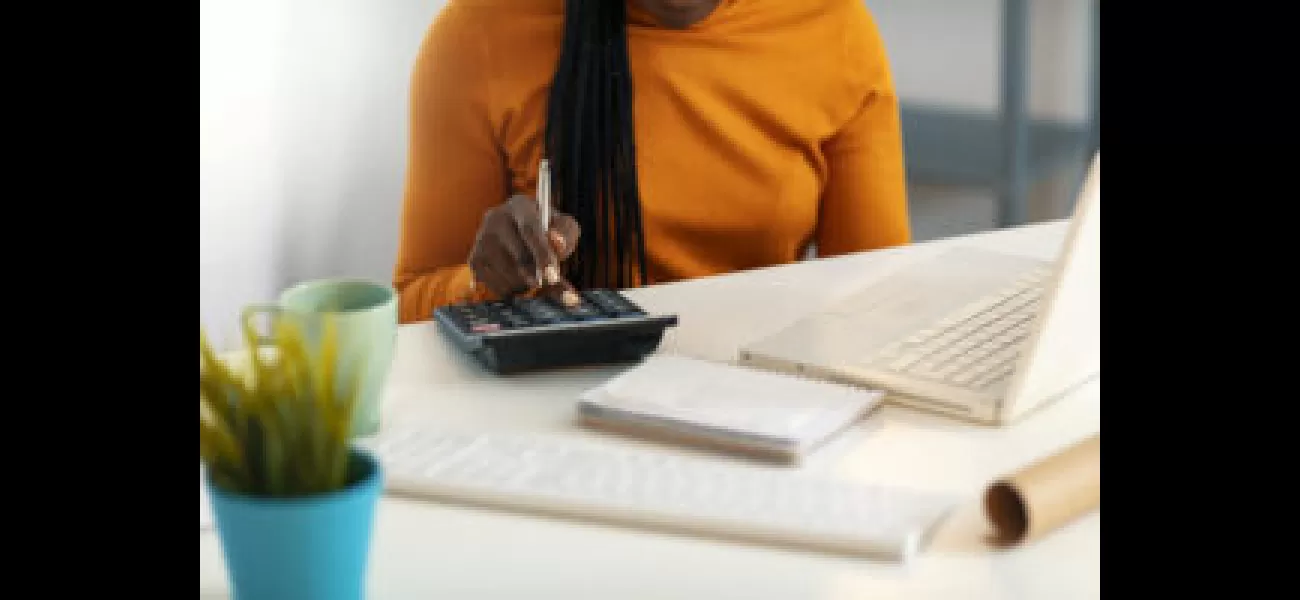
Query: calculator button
{"type": "Point", "coordinates": [611, 304]}
{"type": "Point", "coordinates": [538, 310]}
{"type": "Point", "coordinates": [504, 314]}
{"type": "Point", "coordinates": [601, 302]}
{"type": "Point", "coordinates": [584, 311]}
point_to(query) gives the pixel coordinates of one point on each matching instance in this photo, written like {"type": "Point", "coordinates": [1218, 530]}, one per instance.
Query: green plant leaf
{"type": "Point", "coordinates": [217, 381]}
{"type": "Point", "coordinates": [217, 448]}
{"type": "Point", "coordinates": [285, 428]}
{"type": "Point", "coordinates": [344, 417]}
{"type": "Point", "coordinates": [298, 373]}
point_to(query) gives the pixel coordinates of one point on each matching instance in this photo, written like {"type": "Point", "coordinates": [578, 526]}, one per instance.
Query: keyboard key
{"type": "Point", "coordinates": [962, 378]}
{"type": "Point", "coordinates": [992, 378]}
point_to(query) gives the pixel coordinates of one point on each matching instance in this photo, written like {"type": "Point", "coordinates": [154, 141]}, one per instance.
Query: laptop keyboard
{"type": "Point", "coordinates": [976, 347]}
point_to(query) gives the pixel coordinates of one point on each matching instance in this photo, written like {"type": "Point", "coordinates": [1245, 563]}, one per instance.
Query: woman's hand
{"type": "Point", "coordinates": [513, 254]}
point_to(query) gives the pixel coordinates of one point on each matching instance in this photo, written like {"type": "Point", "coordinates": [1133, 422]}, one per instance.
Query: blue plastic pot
{"type": "Point", "coordinates": [311, 548]}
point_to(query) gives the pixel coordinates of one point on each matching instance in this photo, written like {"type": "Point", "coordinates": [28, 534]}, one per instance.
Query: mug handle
{"type": "Point", "coordinates": [252, 311]}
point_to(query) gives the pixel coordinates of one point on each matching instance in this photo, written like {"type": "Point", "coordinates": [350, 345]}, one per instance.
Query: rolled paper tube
{"type": "Point", "coordinates": [1047, 494]}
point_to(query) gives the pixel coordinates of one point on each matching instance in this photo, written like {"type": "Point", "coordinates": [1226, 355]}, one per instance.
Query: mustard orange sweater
{"type": "Point", "coordinates": [767, 127]}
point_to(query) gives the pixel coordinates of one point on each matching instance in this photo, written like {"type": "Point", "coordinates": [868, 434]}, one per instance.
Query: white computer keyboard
{"type": "Point", "coordinates": [692, 495]}
{"type": "Point", "coordinates": [977, 346]}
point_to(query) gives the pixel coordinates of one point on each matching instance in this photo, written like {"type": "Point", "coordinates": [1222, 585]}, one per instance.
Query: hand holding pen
{"type": "Point", "coordinates": [521, 244]}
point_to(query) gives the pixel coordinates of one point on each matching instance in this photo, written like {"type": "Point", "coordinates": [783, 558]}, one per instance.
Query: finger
{"type": "Point", "coordinates": [564, 235]}
{"type": "Point", "coordinates": [513, 258]}
{"type": "Point", "coordinates": [490, 278]}
{"type": "Point", "coordinates": [562, 292]}
{"type": "Point", "coordinates": [530, 230]}
{"type": "Point", "coordinates": [499, 270]}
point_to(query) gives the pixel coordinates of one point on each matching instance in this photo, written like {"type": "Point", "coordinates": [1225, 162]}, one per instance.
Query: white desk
{"type": "Point", "coordinates": [425, 551]}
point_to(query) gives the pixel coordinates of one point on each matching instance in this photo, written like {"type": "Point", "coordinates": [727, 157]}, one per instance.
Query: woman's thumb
{"type": "Point", "coordinates": [563, 235]}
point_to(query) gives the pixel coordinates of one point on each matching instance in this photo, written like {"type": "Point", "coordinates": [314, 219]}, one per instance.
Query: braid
{"type": "Point", "coordinates": [590, 143]}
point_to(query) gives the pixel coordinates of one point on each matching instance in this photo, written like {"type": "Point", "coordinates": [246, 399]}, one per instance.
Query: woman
{"type": "Point", "coordinates": [685, 137]}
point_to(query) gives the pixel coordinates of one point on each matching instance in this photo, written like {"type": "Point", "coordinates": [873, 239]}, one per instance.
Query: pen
{"type": "Point", "coordinates": [551, 273]}
{"type": "Point", "coordinates": [544, 193]}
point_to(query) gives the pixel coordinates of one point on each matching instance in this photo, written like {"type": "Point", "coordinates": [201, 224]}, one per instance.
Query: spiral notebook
{"type": "Point", "coordinates": [724, 406]}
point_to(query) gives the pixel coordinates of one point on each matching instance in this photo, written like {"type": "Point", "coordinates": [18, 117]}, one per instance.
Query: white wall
{"type": "Point", "coordinates": [240, 157]}
{"type": "Point", "coordinates": [949, 51]}
{"type": "Point", "coordinates": [302, 106]}
{"type": "Point", "coordinates": [301, 143]}
{"type": "Point", "coordinates": [347, 66]}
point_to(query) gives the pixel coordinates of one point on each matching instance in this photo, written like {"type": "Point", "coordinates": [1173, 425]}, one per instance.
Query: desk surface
{"type": "Point", "coordinates": [425, 550]}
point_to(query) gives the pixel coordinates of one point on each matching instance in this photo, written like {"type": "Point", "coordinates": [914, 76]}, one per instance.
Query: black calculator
{"type": "Point", "coordinates": [524, 334]}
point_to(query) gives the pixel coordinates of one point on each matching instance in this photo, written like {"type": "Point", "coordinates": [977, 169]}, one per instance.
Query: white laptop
{"type": "Point", "coordinates": [971, 333]}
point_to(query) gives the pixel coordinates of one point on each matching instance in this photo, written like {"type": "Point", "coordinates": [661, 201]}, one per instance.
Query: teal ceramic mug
{"type": "Point", "coordinates": [365, 322]}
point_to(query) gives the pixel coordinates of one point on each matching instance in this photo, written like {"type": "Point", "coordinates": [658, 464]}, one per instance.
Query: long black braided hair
{"type": "Point", "coordinates": [590, 143]}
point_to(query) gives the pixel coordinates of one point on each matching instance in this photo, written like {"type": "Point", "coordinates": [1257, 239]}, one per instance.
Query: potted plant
{"type": "Point", "coordinates": [293, 499]}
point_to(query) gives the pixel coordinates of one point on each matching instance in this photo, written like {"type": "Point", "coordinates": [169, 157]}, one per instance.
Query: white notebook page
{"type": "Point", "coordinates": [738, 399]}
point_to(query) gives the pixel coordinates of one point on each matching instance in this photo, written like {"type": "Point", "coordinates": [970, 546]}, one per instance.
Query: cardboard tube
{"type": "Point", "coordinates": [1047, 494]}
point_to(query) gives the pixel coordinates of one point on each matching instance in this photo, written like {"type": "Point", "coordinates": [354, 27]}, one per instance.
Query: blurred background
{"type": "Point", "coordinates": [302, 114]}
